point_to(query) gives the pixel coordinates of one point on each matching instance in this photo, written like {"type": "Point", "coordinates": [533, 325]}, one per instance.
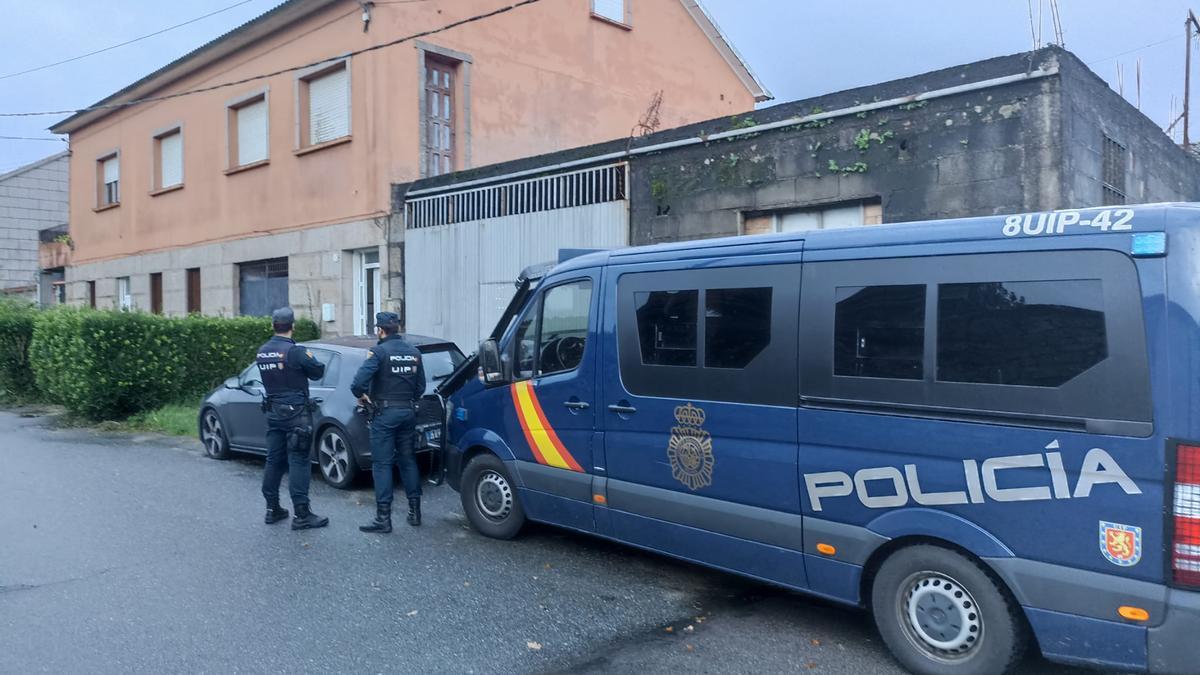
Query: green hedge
{"type": "Point", "coordinates": [16, 332]}
{"type": "Point", "coordinates": [109, 364]}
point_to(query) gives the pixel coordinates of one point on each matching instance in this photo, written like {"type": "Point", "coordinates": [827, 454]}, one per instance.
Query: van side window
{"type": "Point", "coordinates": [667, 327]}
{"type": "Point", "coordinates": [725, 333]}
{"type": "Point", "coordinates": [525, 344]}
{"type": "Point", "coordinates": [1032, 333]}
{"type": "Point", "coordinates": [737, 325]}
{"type": "Point", "coordinates": [1047, 339]}
{"type": "Point", "coordinates": [879, 331]}
{"type": "Point", "coordinates": [564, 330]}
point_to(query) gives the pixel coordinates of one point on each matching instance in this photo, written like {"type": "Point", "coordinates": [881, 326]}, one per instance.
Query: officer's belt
{"type": "Point", "coordinates": [394, 404]}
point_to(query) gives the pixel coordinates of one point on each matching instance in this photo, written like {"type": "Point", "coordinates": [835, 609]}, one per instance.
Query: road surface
{"type": "Point", "coordinates": [140, 555]}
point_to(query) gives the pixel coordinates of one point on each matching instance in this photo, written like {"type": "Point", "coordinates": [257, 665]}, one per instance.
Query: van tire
{"type": "Point", "coordinates": [489, 498]}
{"type": "Point", "coordinates": [966, 622]}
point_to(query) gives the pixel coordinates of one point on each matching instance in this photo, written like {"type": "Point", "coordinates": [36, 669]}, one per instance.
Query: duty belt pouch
{"type": "Point", "coordinates": [299, 438]}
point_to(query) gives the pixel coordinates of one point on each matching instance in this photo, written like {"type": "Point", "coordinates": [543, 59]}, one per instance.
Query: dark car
{"type": "Point", "coordinates": [232, 420]}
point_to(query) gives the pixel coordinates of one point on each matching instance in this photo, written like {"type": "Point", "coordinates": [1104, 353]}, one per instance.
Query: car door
{"type": "Point", "coordinates": [699, 414]}
{"type": "Point", "coordinates": [551, 411]}
{"type": "Point", "coordinates": [243, 413]}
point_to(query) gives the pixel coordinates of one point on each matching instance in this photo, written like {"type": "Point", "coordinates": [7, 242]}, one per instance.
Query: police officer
{"type": "Point", "coordinates": [395, 377]}
{"type": "Point", "coordinates": [286, 369]}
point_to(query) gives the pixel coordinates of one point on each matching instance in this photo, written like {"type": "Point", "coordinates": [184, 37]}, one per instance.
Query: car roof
{"type": "Point", "coordinates": [345, 343]}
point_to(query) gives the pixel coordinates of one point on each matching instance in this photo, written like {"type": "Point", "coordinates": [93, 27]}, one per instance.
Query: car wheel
{"type": "Point", "coordinates": [940, 612]}
{"type": "Point", "coordinates": [212, 435]}
{"type": "Point", "coordinates": [489, 497]}
{"type": "Point", "coordinates": [336, 458]}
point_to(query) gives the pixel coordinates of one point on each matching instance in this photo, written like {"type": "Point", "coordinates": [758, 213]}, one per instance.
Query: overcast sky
{"type": "Point", "coordinates": [798, 48]}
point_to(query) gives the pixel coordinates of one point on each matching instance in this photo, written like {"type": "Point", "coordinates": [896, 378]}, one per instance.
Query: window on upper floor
{"type": "Point", "coordinates": [248, 131]}
{"type": "Point", "coordinates": [324, 105]}
{"type": "Point", "coordinates": [438, 115]}
{"type": "Point", "coordinates": [168, 159]}
{"type": "Point", "coordinates": [108, 180]}
{"type": "Point", "coordinates": [616, 11]}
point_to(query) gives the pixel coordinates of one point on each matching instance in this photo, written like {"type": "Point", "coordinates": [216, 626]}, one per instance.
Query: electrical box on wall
{"type": "Point", "coordinates": [327, 314]}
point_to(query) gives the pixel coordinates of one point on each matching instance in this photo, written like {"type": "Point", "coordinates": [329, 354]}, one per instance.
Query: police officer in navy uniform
{"type": "Point", "coordinates": [286, 369]}
{"type": "Point", "coordinates": [395, 377]}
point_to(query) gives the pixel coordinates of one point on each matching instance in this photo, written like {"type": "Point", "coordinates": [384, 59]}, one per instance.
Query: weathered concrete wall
{"type": "Point", "coordinates": [32, 198]}
{"type": "Point", "coordinates": [990, 151]}
{"type": "Point", "coordinates": [320, 270]}
{"type": "Point", "coordinates": [1157, 170]}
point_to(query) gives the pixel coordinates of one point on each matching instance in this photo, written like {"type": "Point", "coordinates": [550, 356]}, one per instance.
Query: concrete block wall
{"type": "Point", "coordinates": [320, 270]}
{"type": "Point", "coordinates": [1157, 170]}
{"type": "Point", "coordinates": [995, 150]}
{"type": "Point", "coordinates": [32, 199]}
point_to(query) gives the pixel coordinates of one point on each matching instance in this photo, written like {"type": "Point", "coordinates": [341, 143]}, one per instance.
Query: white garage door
{"type": "Point", "coordinates": [458, 276]}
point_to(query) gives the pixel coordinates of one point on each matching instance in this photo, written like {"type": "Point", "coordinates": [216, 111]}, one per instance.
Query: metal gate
{"type": "Point", "coordinates": [463, 249]}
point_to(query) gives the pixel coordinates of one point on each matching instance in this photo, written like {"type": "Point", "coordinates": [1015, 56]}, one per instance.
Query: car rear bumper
{"type": "Point", "coordinates": [1171, 646]}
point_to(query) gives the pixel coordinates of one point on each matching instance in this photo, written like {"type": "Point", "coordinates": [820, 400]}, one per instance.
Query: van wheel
{"type": "Point", "coordinates": [941, 613]}
{"type": "Point", "coordinates": [489, 497]}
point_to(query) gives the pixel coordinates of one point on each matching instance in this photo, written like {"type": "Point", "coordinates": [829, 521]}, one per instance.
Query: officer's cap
{"type": "Point", "coordinates": [284, 316]}
{"type": "Point", "coordinates": [387, 320]}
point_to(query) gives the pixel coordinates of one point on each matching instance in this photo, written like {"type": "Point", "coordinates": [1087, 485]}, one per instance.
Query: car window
{"type": "Point", "coordinates": [250, 376]}
{"type": "Point", "coordinates": [563, 336]}
{"type": "Point", "coordinates": [439, 363]}
{"type": "Point", "coordinates": [331, 361]}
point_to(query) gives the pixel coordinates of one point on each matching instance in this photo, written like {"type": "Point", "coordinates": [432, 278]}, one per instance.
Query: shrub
{"type": "Point", "coordinates": [16, 332]}
{"type": "Point", "coordinates": [108, 364]}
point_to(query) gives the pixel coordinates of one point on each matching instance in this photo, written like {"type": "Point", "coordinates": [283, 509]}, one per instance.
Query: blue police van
{"type": "Point", "coordinates": [985, 431]}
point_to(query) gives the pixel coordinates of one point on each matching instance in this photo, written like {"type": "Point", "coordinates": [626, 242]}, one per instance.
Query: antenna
{"type": "Point", "coordinates": [1120, 80]}
{"type": "Point", "coordinates": [1189, 24]}
{"type": "Point", "coordinates": [1039, 34]}
{"type": "Point", "coordinates": [1032, 30]}
{"type": "Point", "coordinates": [1058, 29]}
{"type": "Point", "coordinates": [1138, 72]}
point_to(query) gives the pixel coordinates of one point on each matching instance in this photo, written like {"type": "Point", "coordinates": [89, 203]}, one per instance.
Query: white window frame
{"type": "Point", "coordinates": [125, 295]}
{"type": "Point", "coordinates": [603, 10]}
{"type": "Point", "coordinates": [819, 212]}
{"type": "Point", "coordinates": [102, 192]}
{"type": "Point", "coordinates": [362, 271]}
{"type": "Point", "coordinates": [304, 132]}
{"type": "Point", "coordinates": [158, 184]}
{"type": "Point", "coordinates": [232, 129]}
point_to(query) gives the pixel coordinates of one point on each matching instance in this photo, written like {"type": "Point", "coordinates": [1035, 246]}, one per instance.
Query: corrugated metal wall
{"type": "Point", "coordinates": [458, 278]}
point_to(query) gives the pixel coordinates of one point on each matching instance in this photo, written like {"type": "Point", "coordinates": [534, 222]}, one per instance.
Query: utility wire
{"type": "Point", "coordinates": [1135, 49]}
{"type": "Point", "coordinates": [254, 78]}
{"type": "Point", "coordinates": [127, 42]}
{"type": "Point", "coordinates": [30, 138]}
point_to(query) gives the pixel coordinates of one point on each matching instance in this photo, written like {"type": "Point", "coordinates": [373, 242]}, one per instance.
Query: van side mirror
{"type": "Point", "coordinates": [491, 368]}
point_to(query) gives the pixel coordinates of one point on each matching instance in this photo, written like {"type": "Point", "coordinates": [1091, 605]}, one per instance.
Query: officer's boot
{"type": "Point", "coordinates": [275, 513]}
{"type": "Point", "coordinates": [306, 520]}
{"type": "Point", "coordinates": [414, 511]}
{"type": "Point", "coordinates": [383, 520]}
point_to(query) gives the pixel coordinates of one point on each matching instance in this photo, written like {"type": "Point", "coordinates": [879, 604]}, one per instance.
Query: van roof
{"type": "Point", "coordinates": [1146, 218]}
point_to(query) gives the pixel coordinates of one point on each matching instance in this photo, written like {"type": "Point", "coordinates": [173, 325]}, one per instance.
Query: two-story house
{"type": "Point", "coordinates": [255, 171]}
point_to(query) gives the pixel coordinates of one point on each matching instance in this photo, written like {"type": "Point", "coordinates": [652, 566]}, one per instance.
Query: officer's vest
{"type": "Point", "coordinates": [396, 378]}
{"type": "Point", "coordinates": [281, 378]}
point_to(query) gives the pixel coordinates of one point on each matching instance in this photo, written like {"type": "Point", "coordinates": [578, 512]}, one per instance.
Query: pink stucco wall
{"type": "Point", "coordinates": [544, 77]}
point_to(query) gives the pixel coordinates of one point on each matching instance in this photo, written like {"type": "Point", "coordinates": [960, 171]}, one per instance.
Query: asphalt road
{"type": "Point", "coordinates": [138, 554]}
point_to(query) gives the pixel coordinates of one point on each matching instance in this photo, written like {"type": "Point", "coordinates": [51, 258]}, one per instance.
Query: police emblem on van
{"type": "Point", "coordinates": [690, 449]}
{"type": "Point", "coordinates": [1121, 544]}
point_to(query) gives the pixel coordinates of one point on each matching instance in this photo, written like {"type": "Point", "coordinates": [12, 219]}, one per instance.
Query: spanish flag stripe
{"type": "Point", "coordinates": [537, 430]}
{"type": "Point", "coordinates": [524, 426]}
{"type": "Point", "coordinates": [558, 444]}
{"type": "Point", "coordinates": [542, 439]}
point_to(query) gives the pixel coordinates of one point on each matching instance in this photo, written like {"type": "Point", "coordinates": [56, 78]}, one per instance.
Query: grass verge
{"type": "Point", "coordinates": [175, 419]}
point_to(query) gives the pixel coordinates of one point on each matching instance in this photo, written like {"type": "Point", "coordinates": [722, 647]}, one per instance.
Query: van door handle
{"type": "Point", "coordinates": [622, 409]}
{"type": "Point", "coordinates": [577, 405]}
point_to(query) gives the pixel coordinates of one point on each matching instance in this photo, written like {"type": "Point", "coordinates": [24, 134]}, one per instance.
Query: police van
{"type": "Point", "coordinates": [986, 431]}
